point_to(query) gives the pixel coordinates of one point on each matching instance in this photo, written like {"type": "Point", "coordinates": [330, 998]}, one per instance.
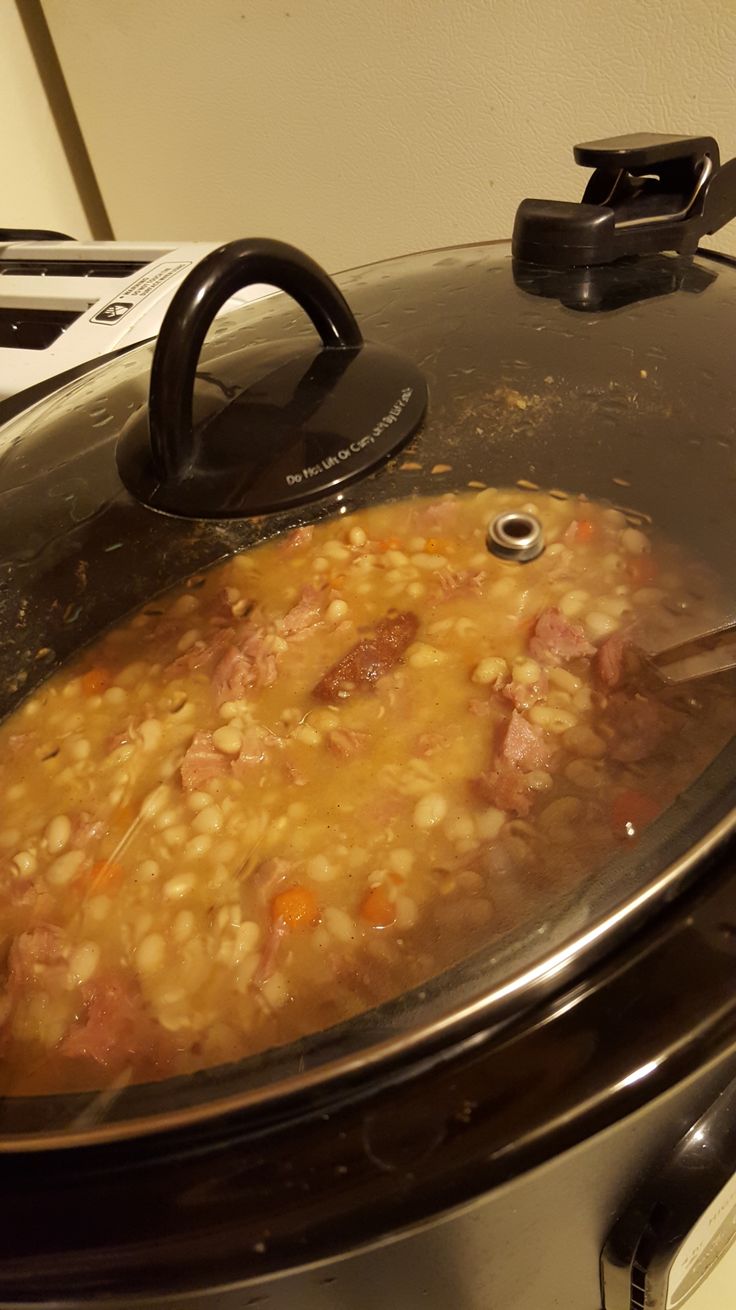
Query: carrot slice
{"type": "Point", "coordinates": [642, 570]}
{"type": "Point", "coordinates": [585, 530]}
{"type": "Point", "coordinates": [377, 908]}
{"type": "Point", "coordinates": [631, 811]}
{"type": "Point", "coordinates": [296, 907]}
{"type": "Point", "coordinates": [95, 681]}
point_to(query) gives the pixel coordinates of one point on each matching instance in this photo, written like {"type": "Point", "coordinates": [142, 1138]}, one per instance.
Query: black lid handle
{"type": "Point", "coordinates": [649, 192]}
{"type": "Point", "coordinates": [303, 424]}
{"type": "Point", "coordinates": [207, 288]}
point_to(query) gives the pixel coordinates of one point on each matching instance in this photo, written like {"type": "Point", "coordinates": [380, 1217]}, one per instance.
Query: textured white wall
{"type": "Point", "coordinates": [37, 188]}
{"type": "Point", "coordinates": [362, 128]}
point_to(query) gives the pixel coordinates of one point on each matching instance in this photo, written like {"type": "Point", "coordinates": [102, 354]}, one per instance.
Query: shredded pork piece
{"type": "Point", "coordinates": [522, 744]}
{"type": "Point", "coordinates": [504, 787]}
{"type": "Point", "coordinates": [609, 660]}
{"type": "Point", "coordinates": [302, 617]}
{"type": "Point", "coordinates": [555, 639]}
{"type": "Point", "coordinates": [115, 1026]}
{"type": "Point", "coordinates": [345, 743]}
{"type": "Point", "coordinates": [201, 762]}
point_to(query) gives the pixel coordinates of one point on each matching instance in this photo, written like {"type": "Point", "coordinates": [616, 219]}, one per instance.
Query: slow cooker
{"type": "Point", "coordinates": [550, 1121]}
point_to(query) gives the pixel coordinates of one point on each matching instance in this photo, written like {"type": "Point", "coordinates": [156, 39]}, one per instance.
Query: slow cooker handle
{"type": "Point", "coordinates": [206, 289]}
{"type": "Point", "coordinates": [680, 1221]}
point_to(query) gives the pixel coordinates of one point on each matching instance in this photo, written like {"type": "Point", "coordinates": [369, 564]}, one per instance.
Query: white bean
{"type": "Point", "coordinates": [421, 656]}
{"type": "Point", "coordinates": [357, 537]}
{"type": "Point", "coordinates": [84, 962]}
{"type": "Point", "coordinates": [115, 696]}
{"type": "Point", "coordinates": [584, 773]}
{"type": "Point", "coordinates": [552, 719]}
{"type": "Point", "coordinates": [490, 672]}
{"type": "Point", "coordinates": [155, 801]}
{"type": "Point", "coordinates": [65, 868]}
{"type": "Point", "coordinates": [489, 823]}
{"type": "Point", "coordinates": [176, 836]}
{"type": "Point", "coordinates": [209, 820]}
{"type": "Point", "coordinates": [188, 639]}
{"type": "Point", "coordinates": [429, 810]}
{"type": "Point", "coordinates": [339, 924]}
{"type": "Point", "coordinates": [247, 938]}
{"type": "Point", "coordinates": [430, 563]}
{"type": "Point", "coordinates": [599, 625]}
{"type": "Point", "coordinates": [58, 833]}
{"type": "Point", "coordinates": [573, 603]}
{"type": "Point", "coordinates": [151, 734]}
{"type": "Point", "coordinates": [565, 680]}
{"type": "Point", "coordinates": [150, 953]}
{"type": "Point", "coordinates": [635, 542]}
{"type": "Point", "coordinates": [306, 734]}
{"type": "Point", "coordinates": [320, 869]}
{"type": "Point", "coordinates": [228, 740]}
{"type": "Point", "coordinates": [181, 885]}
{"type": "Point", "coordinates": [25, 862]}
{"type": "Point", "coordinates": [336, 610]}
{"type": "Point", "coordinates": [538, 780]}
{"type": "Point", "coordinates": [183, 926]}
{"type": "Point", "coordinates": [196, 847]}
{"type": "Point", "coordinates": [406, 912]}
{"type": "Point", "coordinates": [401, 861]}
{"type": "Point", "coordinates": [527, 672]}
{"type": "Point", "coordinates": [584, 741]}
{"type": "Point", "coordinates": [275, 991]}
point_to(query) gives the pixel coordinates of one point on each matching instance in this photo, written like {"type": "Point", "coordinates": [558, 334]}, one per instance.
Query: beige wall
{"type": "Point", "coordinates": [37, 187]}
{"type": "Point", "coordinates": [362, 128]}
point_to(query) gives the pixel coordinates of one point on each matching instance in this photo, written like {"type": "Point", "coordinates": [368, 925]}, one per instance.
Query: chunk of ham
{"type": "Point", "coordinates": [369, 659]}
{"type": "Point", "coordinates": [17, 741]}
{"type": "Point", "coordinates": [609, 660]}
{"type": "Point", "coordinates": [253, 750]}
{"type": "Point", "coordinates": [504, 787]}
{"type": "Point", "coordinates": [479, 707]}
{"type": "Point", "coordinates": [203, 654]}
{"type": "Point", "coordinates": [242, 666]}
{"type": "Point", "coordinates": [459, 582]}
{"type": "Point", "coordinates": [201, 762]}
{"type": "Point", "coordinates": [555, 639]}
{"type": "Point", "coordinates": [297, 539]}
{"type": "Point", "coordinates": [39, 953]}
{"type": "Point", "coordinates": [302, 617]}
{"type": "Point", "coordinates": [438, 517]}
{"type": "Point", "coordinates": [522, 745]}
{"type": "Point", "coordinates": [114, 1026]}
{"type": "Point", "coordinates": [639, 726]}
{"type": "Point", "coordinates": [269, 955]}
{"type": "Point", "coordinates": [345, 743]}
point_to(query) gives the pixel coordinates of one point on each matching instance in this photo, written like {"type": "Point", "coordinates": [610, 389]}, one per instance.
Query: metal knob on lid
{"type": "Point", "coordinates": [515, 535]}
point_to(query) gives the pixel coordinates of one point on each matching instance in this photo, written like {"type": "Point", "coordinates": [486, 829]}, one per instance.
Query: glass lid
{"type": "Point", "coordinates": [368, 686]}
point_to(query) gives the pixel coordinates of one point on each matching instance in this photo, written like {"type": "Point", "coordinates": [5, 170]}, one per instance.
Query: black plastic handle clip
{"type": "Point", "coordinates": [649, 192]}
